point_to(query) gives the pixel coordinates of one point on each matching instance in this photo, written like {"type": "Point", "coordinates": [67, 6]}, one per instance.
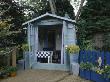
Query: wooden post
{"type": "Point", "coordinates": [64, 55]}
{"type": "Point", "coordinates": [29, 41]}
{"type": "Point", "coordinates": [62, 48]}
{"type": "Point", "coordinates": [14, 57]}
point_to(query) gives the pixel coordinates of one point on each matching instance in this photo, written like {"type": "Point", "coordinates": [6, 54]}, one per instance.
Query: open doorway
{"type": "Point", "coordinates": [50, 39]}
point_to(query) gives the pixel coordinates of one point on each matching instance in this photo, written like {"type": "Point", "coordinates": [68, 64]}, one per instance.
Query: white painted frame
{"type": "Point", "coordinates": [51, 15]}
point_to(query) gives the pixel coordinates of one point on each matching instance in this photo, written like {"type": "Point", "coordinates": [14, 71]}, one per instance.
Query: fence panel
{"type": "Point", "coordinates": [92, 56]}
{"type": "Point", "coordinates": [81, 53]}
{"type": "Point", "coordinates": [5, 59]}
{"type": "Point", "coordinates": [107, 58]}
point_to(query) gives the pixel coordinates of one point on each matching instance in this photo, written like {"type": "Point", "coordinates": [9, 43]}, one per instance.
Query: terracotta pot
{"type": "Point", "coordinates": [13, 74]}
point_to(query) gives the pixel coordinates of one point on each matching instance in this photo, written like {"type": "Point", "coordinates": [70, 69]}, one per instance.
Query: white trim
{"type": "Point", "coordinates": [29, 37]}
{"type": "Point", "coordinates": [62, 52]}
{"type": "Point", "coordinates": [37, 39]}
{"type": "Point", "coordinates": [48, 14]}
{"type": "Point", "coordinates": [50, 22]}
{"type": "Point", "coordinates": [64, 41]}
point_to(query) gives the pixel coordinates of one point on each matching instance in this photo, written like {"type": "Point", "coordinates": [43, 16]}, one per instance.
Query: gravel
{"type": "Point", "coordinates": [43, 76]}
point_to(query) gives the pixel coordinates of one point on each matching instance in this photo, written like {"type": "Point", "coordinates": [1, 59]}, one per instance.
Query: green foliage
{"type": "Point", "coordinates": [99, 71]}
{"type": "Point", "coordinates": [5, 50]}
{"type": "Point", "coordinates": [107, 71]}
{"type": "Point", "coordinates": [12, 12]}
{"type": "Point", "coordinates": [64, 6]}
{"type": "Point", "coordinates": [11, 19]}
{"type": "Point", "coordinates": [6, 70]}
{"type": "Point", "coordinates": [86, 66]}
{"type": "Point", "coordinates": [94, 18]}
{"type": "Point", "coordinates": [34, 8]}
{"type": "Point", "coordinates": [25, 47]}
{"type": "Point", "coordinates": [11, 69]}
{"type": "Point", "coordinates": [106, 41]}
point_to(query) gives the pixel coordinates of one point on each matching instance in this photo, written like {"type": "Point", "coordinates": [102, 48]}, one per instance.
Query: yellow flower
{"type": "Point", "coordinates": [72, 49]}
{"type": "Point", "coordinates": [105, 66]}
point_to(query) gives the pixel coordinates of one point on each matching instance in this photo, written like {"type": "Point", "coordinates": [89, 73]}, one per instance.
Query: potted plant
{"type": "Point", "coordinates": [12, 71]}
{"type": "Point", "coordinates": [72, 51]}
{"type": "Point", "coordinates": [3, 72]}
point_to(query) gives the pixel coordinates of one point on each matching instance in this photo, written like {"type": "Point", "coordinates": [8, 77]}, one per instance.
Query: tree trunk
{"type": "Point", "coordinates": [52, 6]}
{"type": "Point", "coordinates": [79, 11]}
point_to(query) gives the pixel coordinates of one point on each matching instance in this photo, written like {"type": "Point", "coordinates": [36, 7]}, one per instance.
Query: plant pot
{"type": "Point", "coordinates": [13, 74]}
{"type": "Point", "coordinates": [87, 74]}
{"type": "Point", "coordinates": [73, 58]}
{"type": "Point", "coordinates": [97, 77]}
{"type": "Point", "coordinates": [82, 73]}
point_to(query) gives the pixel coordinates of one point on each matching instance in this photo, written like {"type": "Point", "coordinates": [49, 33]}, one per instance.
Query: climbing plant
{"type": "Point", "coordinates": [94, 18]}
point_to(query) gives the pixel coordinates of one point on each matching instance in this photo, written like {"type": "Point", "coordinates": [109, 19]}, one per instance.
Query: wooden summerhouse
{"type": "Point", "coordinates": [48, 35]}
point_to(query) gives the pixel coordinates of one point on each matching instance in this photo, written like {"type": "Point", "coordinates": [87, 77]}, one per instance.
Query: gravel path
{"type": "Point", "coordinates": [43, 76]}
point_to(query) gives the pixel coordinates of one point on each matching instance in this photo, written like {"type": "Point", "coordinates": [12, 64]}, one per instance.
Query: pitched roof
{"type": "Point", "coordinates": [51, 15]}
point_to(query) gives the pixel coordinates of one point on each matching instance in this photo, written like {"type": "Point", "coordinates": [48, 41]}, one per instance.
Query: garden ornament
{"type": "Point", "coordinates": [99, 61]}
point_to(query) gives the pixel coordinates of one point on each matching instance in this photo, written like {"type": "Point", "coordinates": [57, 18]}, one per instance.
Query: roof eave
{"type": "Point", "coordinates": [47, 14]}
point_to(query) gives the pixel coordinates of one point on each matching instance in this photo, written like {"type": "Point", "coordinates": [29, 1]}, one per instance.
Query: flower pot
{"type": "Point", "coordinates": [73, 58]}
{"type": "Point", "coordinates": [82, 73]}
{"type": "Point", "coordinates": [97, 77]}
{"type": "Point", "coordinates": [87, 74]}
{"type": "Point", "coordinates": [13, 74]}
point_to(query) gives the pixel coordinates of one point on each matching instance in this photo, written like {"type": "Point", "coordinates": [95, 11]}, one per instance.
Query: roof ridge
{"type": "Point", "coordinates": [48, 14]}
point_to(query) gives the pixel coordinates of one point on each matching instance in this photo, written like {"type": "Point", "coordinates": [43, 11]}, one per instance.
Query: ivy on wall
{"type": "Point", "coordinates": [94, 18]}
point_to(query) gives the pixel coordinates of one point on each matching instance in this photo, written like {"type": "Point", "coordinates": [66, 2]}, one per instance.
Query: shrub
{"type": "Point", "coordinates": [86, 66]}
